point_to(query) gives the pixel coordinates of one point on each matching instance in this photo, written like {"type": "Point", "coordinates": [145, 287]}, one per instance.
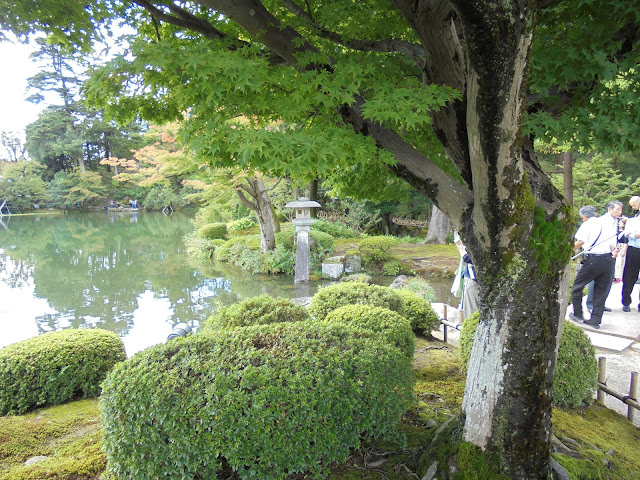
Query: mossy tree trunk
{"type": "Point", "coordinates": [516, 226]}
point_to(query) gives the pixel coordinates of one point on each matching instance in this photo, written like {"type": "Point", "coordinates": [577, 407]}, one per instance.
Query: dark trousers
{"type": "Point", "coordinates": [598, 268]}
{"type": "Point", "coordinates": [630, 274]}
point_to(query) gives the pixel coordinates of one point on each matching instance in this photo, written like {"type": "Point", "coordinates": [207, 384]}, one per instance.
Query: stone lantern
{"type": "Point", "coordinates": [302, 220]}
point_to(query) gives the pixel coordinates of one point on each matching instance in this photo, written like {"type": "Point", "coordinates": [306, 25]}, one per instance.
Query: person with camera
{"type": "Point", "coordinates": [599, 239]}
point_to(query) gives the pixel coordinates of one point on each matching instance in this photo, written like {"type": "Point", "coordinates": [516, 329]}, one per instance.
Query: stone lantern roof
{"type": "Point", "coordinates": [303, 202]}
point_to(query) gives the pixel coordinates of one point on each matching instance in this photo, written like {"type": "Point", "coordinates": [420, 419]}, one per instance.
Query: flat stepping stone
{"type": "Point", "coordinates": [608, 342]}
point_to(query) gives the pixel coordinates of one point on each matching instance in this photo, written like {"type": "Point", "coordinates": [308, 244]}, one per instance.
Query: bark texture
{"type": "Point", "coordinates": [259, 203]}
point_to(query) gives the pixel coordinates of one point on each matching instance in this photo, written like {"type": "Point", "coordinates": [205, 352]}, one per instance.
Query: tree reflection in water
{"type": "Point", "coordinates": [126, 273]}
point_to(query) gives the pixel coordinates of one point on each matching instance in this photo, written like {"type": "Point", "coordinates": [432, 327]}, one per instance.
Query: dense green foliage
{"type": "Point", "coordinates": [260, 310]}
{"type": "Point", "coordinates": [213, 231]}
{"type": "Point", "coordinates": [376, 250]}
{"type": "Point", "coordinates": [335, 229]}
{"type": "Point", "coordinates": [55, 367]}
{"type": "Point", "coordinates": [418, 311]}
{"type": "Point", "coordinates": [576, 375]}
{"type": "Point", "coordinates": [240, 224]}
{"type": "Point", "coordinates": [270, 400]}
{"type": "Point", "coordinates": [341, 294]}
{"type": "Point", "coordinates": [392, 327]}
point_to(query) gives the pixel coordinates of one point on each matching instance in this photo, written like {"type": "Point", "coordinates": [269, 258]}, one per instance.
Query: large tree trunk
{"type": "Point", "coordinates": [260, 204]}
{"type": "Point", "coordinates": [438, 227]}
{"type": "Point", "coordinates": [515, 225]}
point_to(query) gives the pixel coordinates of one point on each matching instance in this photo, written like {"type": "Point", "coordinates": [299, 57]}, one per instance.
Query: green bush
{"type": "Point", "coordinates": [320, 242]}
{"type": "Point", "coordinates": [391, 326]}
{"type": "Point", "coordinates": [278, 260]}
{"type": "Point", "coordinates": [230, 250]}
{"type": "Point", "coordinates": [576, 373]}
{"type": "Point", "coordinates": [392, 268]}
{"type": "Point", "coordinates": [376, 250]}
{"type": "Point", "coordinates": [335, 229]}
{"type": "Point", "coordinates": [213, 231]}
{"type": "Point", "coordinates": [418, 311]}
{"type": "Point", "coordinates": [55, 367]}
{"type": "Point", "coordinates": [420, 286]}
{"type": "Point", "coordinates": [321, 245]}
{"type": "Point", "coordinates": [260, 310]}
{"type": "Point", "coordinates": [241, 224]}
{"type": "Point", "coordinates": [270, 401]}
{"type": "Point", "coordinates": [351, 293]}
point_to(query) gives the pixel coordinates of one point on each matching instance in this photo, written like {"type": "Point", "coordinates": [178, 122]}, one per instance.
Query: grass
{"type": "Point", "coordinates": [604, 444]}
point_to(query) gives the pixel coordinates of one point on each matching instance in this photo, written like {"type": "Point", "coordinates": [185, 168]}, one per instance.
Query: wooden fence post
{"type": "Point", "coordinates": [633, 394]}
{"type": "Point", "coordinates": [444, 315]}
{"type": "Point", "coordinates": [602, 377]}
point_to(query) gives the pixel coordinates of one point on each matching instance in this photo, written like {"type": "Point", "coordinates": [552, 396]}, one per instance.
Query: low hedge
{"type": "Point", "coordinates": [55, 367]}
{"type": "Point", "coordinates": [350, 293]}
{"type": "Point", "coordinates": [391, 326]}
{"type": "Point", "coordinates": [213, 231]}
{"type": "Point", "coordinates": [418, 311]}
{"type": "Point", "coordinates": [261, 310]}
{"type": "Point", "coordinates": [576, 372]}
{"type": "Point", "coordinates": [270, 401]}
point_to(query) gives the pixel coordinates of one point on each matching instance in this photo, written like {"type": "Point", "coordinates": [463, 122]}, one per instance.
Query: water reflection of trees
{"type": "Point", "coordinates": [92, 268]}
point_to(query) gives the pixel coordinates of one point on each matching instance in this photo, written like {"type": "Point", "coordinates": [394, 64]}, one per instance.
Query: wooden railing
{"type": "Point", "coordinates": [631, 400]}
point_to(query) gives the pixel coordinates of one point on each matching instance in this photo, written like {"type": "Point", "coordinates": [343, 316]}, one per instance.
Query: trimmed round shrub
{"type": "Point", "coordinates": [213, 231]}
{"type": "Point", "coordinates": [576, 373]}
{"type": "Point", "coordinates": [261, 310]}
{"type": "Point", "coordinates": [418, 311]}
{"type": "Point", "coordinates": [55, 367]}
{"type": "Point", "coordinates": [271, 401]}
{"type": "Point", "coordinates": [341, 294]}
{"type": "Point", "coordinates": [391, 326]}
{"type": "Point", "coordinates": [376, 250]}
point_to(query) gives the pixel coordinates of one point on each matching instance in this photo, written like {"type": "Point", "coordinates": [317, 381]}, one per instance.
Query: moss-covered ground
{"type": "Point", "coordinates": [590, 443]}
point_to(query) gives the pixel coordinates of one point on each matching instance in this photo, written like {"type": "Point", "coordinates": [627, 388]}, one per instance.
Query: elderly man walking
{"type": "Point", "coordinates": [599, 239]}
{"type": "Point", "coordinates": [632, 265]}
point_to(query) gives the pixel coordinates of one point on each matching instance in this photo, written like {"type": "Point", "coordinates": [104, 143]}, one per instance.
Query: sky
{"type": "Point", "coordinates": [15, 112]}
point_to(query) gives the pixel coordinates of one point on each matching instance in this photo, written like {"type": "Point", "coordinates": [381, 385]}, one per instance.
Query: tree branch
{"type": "Point", "coordinates": [415, 52]}
{"type": "Point", "coordinates": [274, 186]}
{"type": "Point", "coordinates": [183, 20]}
{"type": "Point", "coordinates": [244, 200]}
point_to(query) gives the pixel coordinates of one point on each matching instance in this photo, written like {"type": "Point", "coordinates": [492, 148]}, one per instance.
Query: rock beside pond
{"type": "Point", "coordinates": [399, 282]}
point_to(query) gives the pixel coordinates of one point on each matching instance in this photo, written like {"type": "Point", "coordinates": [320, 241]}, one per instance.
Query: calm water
{"type": "Point", "coordinates": [127, 273]}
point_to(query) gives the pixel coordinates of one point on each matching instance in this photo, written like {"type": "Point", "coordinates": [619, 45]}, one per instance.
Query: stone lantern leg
{"type": "Point", "coordinates": [302, 220]}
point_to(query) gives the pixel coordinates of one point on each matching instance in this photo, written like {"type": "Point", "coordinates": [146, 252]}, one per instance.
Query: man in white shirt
{"type": "Point", "coordinates": [632, 264]}
{"type": "Point", "coordinates": [599, 239]}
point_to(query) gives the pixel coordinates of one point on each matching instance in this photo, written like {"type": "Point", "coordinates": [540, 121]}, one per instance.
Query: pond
{"type": "Point", "coordinates": [125, 272]}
